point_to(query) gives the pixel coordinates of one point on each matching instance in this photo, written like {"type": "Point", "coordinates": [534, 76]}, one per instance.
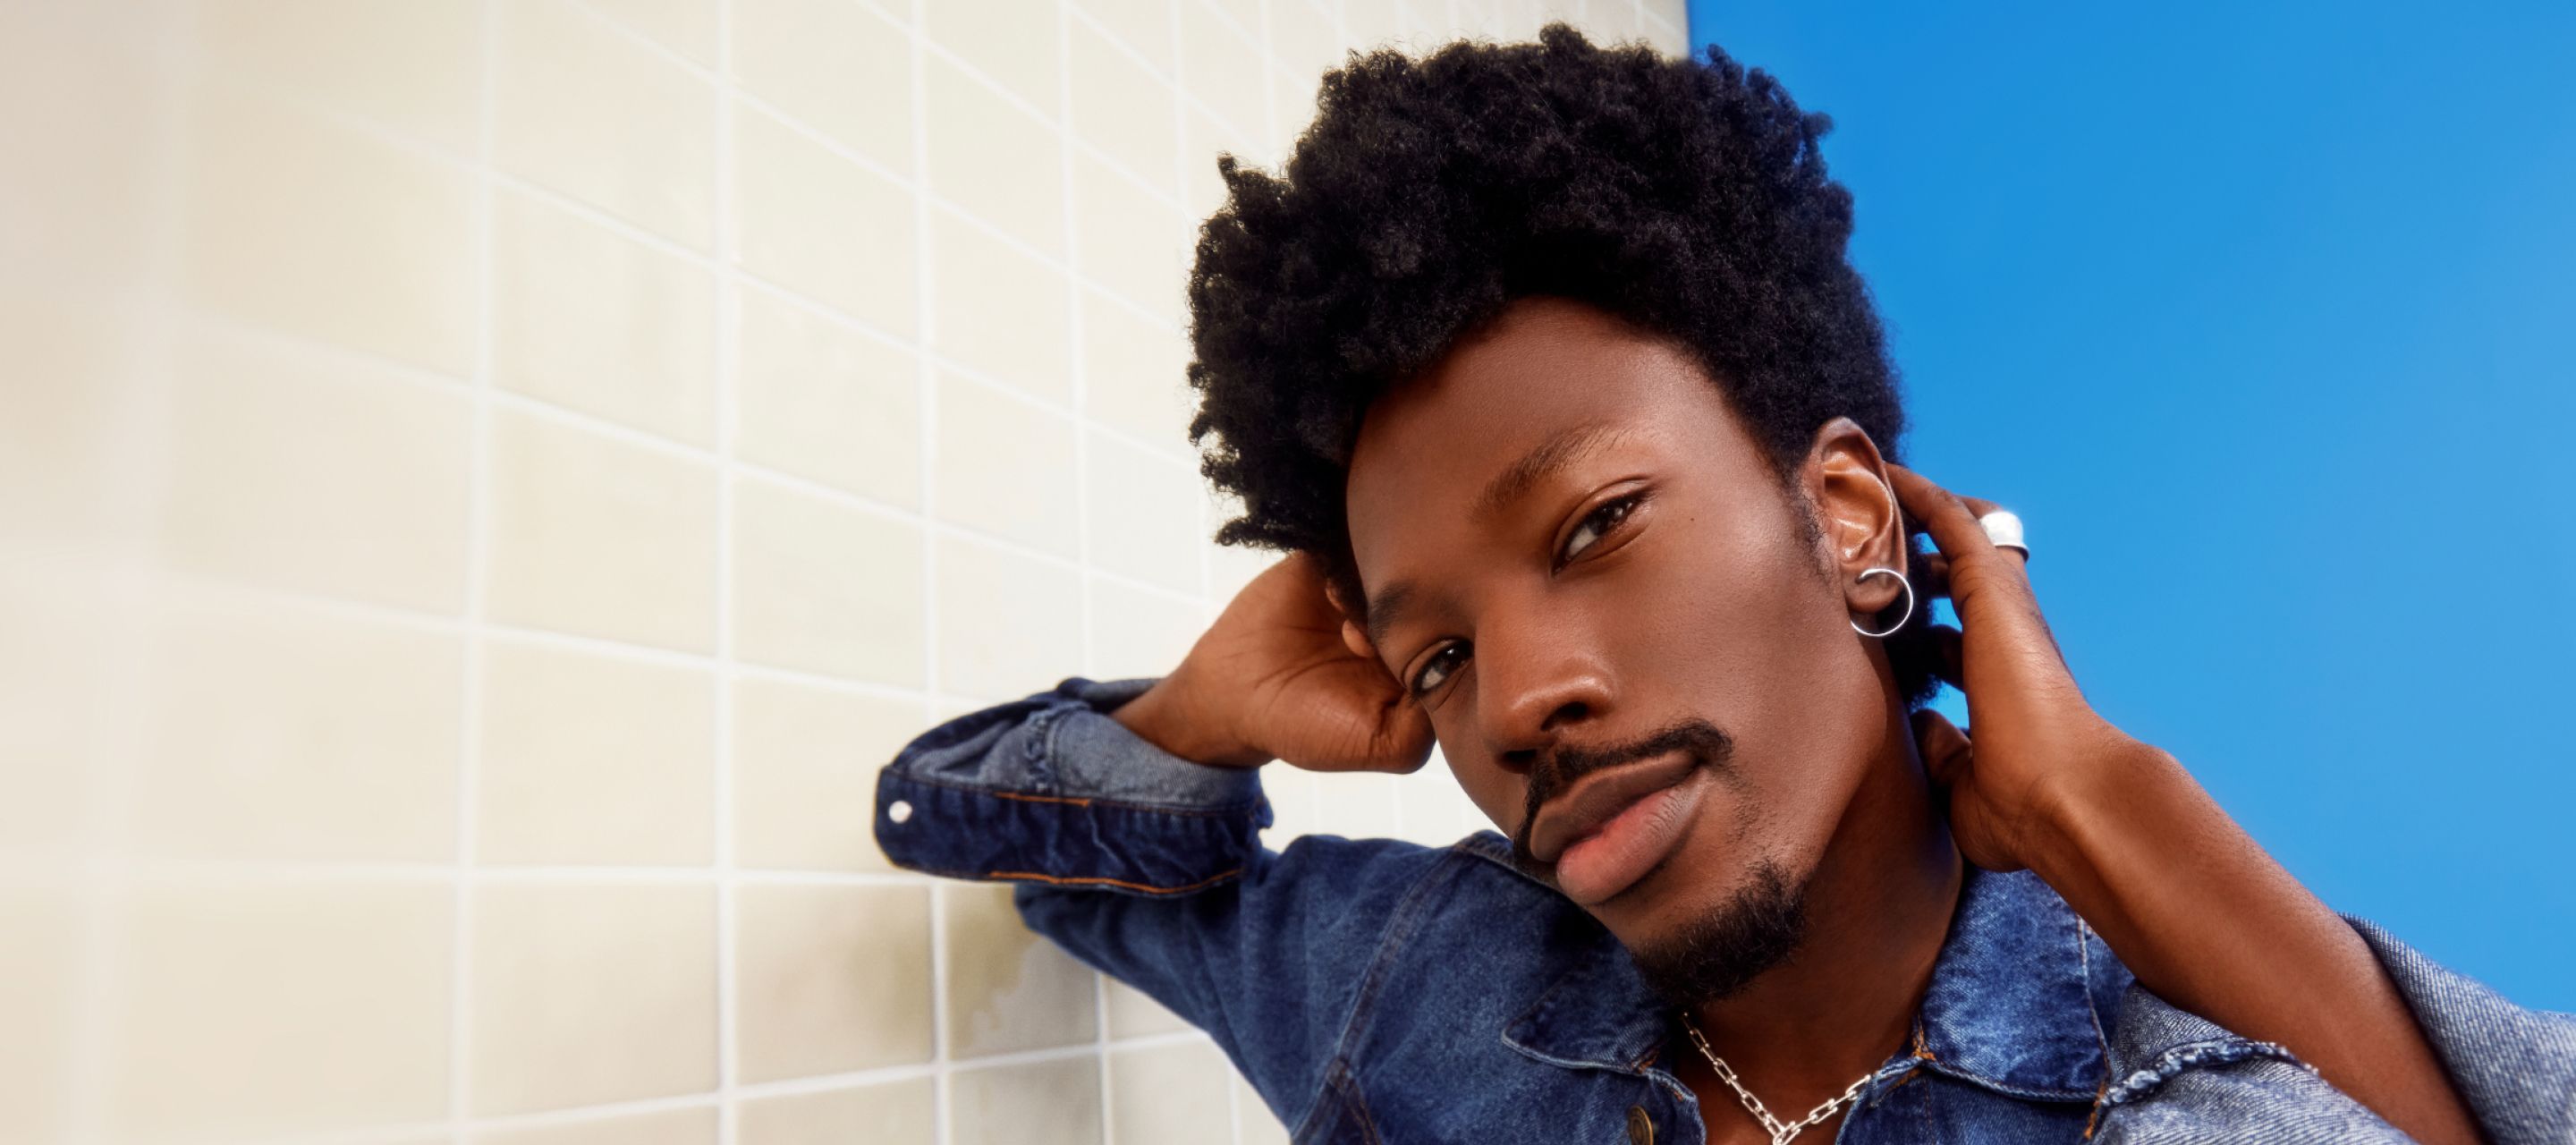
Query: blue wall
{"type": "Point", "coordinates": [2262, 317]}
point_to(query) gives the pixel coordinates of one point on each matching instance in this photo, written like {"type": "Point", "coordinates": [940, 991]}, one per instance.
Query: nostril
{"type": "Point", "coordinates": [1571, 711]}
{"type": "Point", "coordinates": [1521, 760]}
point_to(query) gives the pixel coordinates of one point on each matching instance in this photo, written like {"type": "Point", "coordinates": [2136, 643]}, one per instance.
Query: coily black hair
{"type": "Point", "coordinates": [1686, 196]}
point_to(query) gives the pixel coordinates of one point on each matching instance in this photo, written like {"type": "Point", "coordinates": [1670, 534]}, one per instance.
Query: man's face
{"type": "Point", "coordinates": [1643, 641]}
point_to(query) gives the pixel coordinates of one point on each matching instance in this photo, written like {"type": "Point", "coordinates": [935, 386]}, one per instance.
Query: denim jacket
{"type": "Point", "coordinates": [1381, 991]}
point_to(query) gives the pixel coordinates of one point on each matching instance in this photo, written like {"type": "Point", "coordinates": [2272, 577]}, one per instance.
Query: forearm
{"type": "Point", "coordinates": [2211, 923]}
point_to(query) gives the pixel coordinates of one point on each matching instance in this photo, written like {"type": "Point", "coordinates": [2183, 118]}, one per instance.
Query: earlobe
{"type": "Point", "coordinates": [1908, 614]}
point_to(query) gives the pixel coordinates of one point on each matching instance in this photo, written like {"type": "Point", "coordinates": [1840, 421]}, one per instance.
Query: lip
{"type": "Point", "coordinates": [1598, 798]}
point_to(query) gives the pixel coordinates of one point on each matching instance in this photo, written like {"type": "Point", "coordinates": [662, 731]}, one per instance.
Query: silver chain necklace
{"type": "Point", "coordinates": [1780, 1132]}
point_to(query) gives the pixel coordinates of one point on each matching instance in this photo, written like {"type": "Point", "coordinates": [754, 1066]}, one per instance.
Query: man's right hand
{"type": "Point", "coordinates": [1278, 677]}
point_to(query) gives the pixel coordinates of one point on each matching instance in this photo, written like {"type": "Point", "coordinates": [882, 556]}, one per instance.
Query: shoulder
{"type": "Point", "coordinates": [2514, 1066]}
{"type": "Point", "coordinates": [2178, 1076]}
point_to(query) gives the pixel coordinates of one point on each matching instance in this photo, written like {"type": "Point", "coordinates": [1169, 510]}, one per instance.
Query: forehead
{"type": "Point", "coordinates": [1430, 446]}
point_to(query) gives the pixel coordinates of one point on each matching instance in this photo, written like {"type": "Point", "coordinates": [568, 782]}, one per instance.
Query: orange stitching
{"type": "Point", "coordinates": [2099, 1088]}
{"type": "Point", "coordinates": [1044, 798]}
{"type": "Point", "coordinates": [1087, 880]}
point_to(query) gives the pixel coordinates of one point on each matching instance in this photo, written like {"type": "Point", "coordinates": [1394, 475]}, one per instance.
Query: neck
{"type": "Point", "coordinates": [1878, 908]}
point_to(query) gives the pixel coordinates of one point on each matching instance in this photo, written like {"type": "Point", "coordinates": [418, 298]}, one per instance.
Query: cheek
{"type": "Point", "coordinates": [1737, 619]}
{"type": "Point", "coordinates": [1501, 795]}
{"type": "Point", "coordinates": [1744, 631]}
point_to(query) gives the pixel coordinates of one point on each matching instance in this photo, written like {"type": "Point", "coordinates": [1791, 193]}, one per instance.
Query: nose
{"type": "Point", "coordinates": [1536, 683]}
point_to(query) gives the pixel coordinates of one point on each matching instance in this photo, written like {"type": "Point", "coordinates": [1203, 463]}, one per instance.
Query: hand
{"type": "Point", "coordinates": [1283, 675]}
{"type": "Point", "coordinates": [2038, 742]}
{"type": "Point", "coordinates": [2185, 899]}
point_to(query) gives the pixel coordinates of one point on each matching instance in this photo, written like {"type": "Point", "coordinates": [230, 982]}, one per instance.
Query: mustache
{"type": "Point", "coordinates": [1563, 767]}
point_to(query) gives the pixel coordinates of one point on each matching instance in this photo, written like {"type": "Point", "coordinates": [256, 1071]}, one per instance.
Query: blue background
{"type": "Point", "coordinates": [2262, 317]}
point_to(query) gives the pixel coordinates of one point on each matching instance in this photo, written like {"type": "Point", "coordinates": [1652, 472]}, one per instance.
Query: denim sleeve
{"type": "Point", "coordinates": [1149, 868]}
{"type": "Point", "coordinates": [2514, 1067]}
{"type": "Point", "coordinates": [1050, 789]}
{"type": "Point", "coordinates": [2177, 1077]}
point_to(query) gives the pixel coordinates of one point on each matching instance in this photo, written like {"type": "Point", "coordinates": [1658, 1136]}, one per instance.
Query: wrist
{"type": "Point", "coordinates": [1171, 715]}
{"type": "Point", "coordinates": [2124, 783]}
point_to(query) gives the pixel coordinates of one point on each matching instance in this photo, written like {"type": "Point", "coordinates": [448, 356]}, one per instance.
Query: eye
{"type": "Point", "coordinates": [1598, 524]}
{"type": "Point", "coordinates": [1435, 671]}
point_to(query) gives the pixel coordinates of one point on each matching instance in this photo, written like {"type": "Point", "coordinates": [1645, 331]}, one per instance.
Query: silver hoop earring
{"type": "Point", "coordinates": [1909, 603]}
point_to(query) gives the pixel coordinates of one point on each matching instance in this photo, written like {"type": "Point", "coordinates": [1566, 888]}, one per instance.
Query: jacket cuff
{"type": "Point", "coordinates": [1051, 789]}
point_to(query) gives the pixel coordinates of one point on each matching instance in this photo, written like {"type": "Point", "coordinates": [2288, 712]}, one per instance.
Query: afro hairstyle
{"type": "Point", "coordinates": [1685, 196]}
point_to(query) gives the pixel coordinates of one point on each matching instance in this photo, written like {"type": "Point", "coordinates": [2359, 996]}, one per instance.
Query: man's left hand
{"type": "Point", "coordinates": [2039, 745]}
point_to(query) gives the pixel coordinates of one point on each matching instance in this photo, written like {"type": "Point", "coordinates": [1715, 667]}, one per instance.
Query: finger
{"type": "Point", "coordinates": [1991, 595]}
{"type": "Point", "coordinates": [1980, 506]}
{"type": "Point", "coordinates": [1973, 566]}
{"type": "Point", "coordinates": [1945, 749]}
{"type": "Point", "coordinates": [1953, 528]}
{"type": "Point", "coordinates": [1936, 572]}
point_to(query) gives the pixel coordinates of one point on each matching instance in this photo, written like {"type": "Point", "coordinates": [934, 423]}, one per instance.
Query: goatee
{"type": "Point", "coordinates": [1719, 953]}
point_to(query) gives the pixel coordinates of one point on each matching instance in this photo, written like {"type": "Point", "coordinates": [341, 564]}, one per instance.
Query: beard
{"type": "Point", "coordinates": [1726, 947]}
{"type": "Point", "coordinates": [1720, 952]}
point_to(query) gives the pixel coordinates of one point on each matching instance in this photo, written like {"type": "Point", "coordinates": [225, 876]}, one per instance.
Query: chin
{"type": "Point", "coordinates": [1699, 947]}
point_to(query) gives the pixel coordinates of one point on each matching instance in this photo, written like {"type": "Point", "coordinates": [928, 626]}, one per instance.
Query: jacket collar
{"type": "Point", "coordinates": [2010, 1005]}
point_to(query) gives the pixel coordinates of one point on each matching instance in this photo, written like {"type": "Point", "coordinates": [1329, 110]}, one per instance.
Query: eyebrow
{"type": "Point", "coordinates": [1545, 460]}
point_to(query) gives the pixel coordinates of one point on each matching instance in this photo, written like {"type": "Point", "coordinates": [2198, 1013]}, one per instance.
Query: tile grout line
{"type": "Point", "coordinates": [477, 585]}
{"type": "Point", "coordinates": [943, 1101]}
{"type": "Point", "coordinates": [1074, 249]}
{"type": "Point", "coordinates": [728, 904]}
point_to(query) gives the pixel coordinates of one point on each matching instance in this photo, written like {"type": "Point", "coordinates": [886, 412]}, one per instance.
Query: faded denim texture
{"type": "Point", "coordinates": [1375, 990]}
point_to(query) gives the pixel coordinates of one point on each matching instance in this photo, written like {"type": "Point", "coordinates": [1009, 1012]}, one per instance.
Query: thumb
{"type": "Point", "coordinates": [1946, 752]}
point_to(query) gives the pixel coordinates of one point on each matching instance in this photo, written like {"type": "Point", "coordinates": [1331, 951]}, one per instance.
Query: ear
{"type": "Point", "coordinates": [1846, 480]}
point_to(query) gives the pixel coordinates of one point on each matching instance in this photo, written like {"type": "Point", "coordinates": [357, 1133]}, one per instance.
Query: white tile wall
{"type": "Point", "coordinates": [484, 484]}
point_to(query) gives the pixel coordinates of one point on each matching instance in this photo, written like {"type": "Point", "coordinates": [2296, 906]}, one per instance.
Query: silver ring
{"type": "Point", "coordinates": [2004, 529]}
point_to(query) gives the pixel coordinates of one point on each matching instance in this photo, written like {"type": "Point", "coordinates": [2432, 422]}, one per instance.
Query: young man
{"type": "Point", "coordinates": [1546, 365]}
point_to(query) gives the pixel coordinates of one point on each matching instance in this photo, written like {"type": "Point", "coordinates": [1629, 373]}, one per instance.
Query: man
{"type": "Point", "coordinates": [1546, 365]}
